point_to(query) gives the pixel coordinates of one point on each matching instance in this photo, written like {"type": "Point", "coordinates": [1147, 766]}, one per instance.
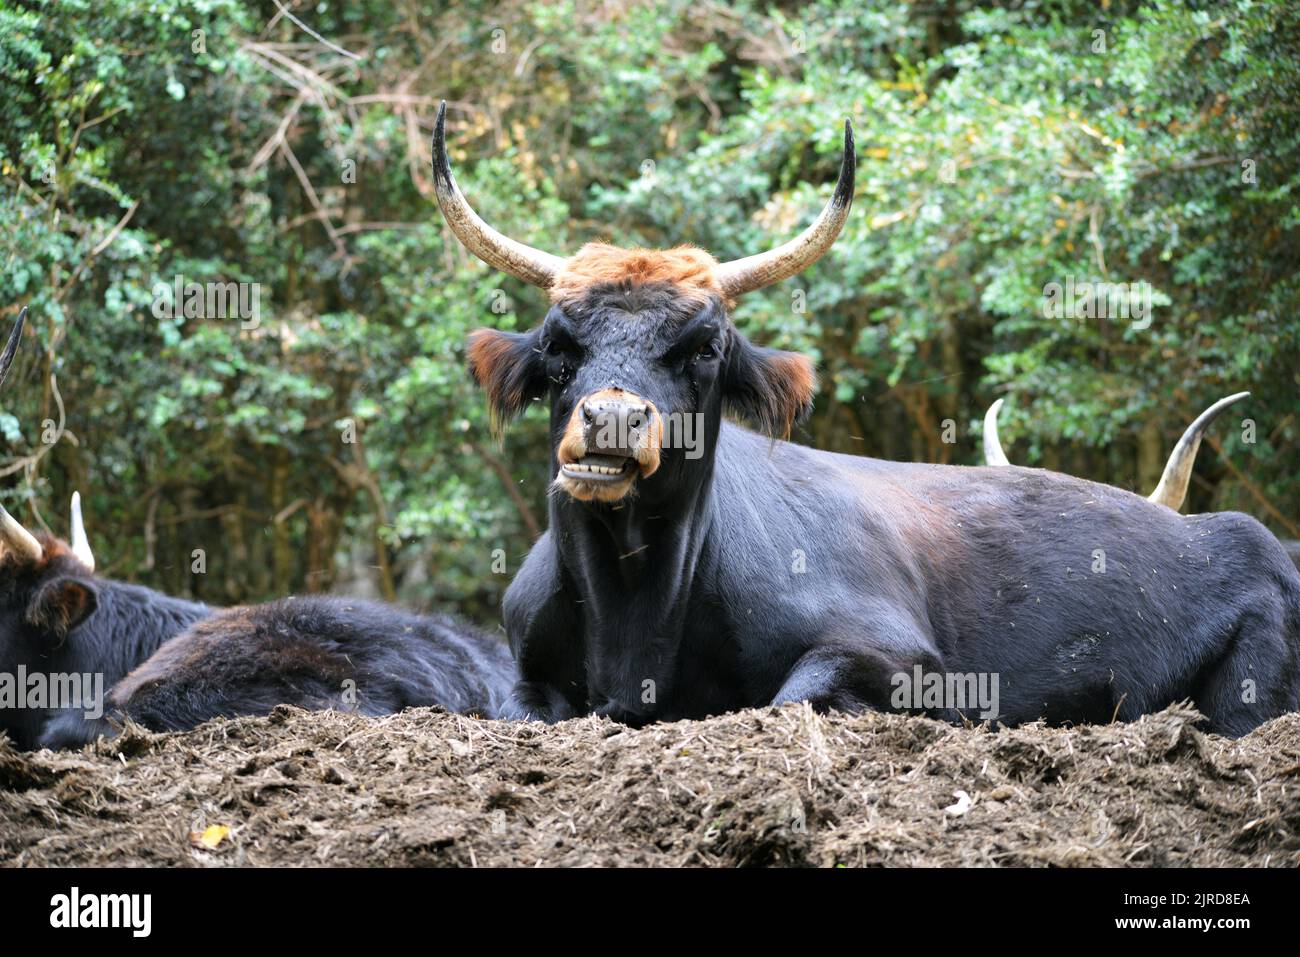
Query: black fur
{"type": "Point", "coordinates": [58, 617]}
{"type": "Point", "coordinates": [314, 652]}
{"type": "Point", "coordinates": [686, 598]}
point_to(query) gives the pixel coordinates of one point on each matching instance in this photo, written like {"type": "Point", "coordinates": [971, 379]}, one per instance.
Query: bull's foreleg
{"type": "Point", "coordinates": [545, 637]}
{"type": "Point", "coordinates": [850, 679]}
{"type": "Point", "coordinates": [1256, 678]}
{"type": "Point", "coordinates": [536, 701]}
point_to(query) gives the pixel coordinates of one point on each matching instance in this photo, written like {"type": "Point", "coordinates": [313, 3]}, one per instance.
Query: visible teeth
{"type": "Point", "coordinates": [595, 469]}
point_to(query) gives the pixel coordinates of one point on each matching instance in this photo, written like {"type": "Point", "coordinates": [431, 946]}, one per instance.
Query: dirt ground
{"type": "Point", "coordinates": [765, 787]}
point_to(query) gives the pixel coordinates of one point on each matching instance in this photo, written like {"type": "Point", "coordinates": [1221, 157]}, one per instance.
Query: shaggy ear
{"type": "Point", "coordinates": [771, 388]}
{"type": "Point", "coordinates": [509, 367]}
{"type": "Point", "coordinates": [62, 604]}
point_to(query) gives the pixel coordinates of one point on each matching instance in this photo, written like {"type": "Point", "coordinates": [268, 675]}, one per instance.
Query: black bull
{"type": "Point", "coordinates": [1086, 601]}
{"type": "Point", "coordinates": [765, 572]}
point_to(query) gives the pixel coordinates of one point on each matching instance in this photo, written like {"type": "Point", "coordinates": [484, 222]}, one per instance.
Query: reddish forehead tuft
{"type": "Point", "coordinates": [692, 269]}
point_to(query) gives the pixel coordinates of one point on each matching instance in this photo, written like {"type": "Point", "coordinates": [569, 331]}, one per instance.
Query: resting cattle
{"type": "Point", "coordinates": [68, 636]}
{"type": "Point", "coordinates": [61, 625]}
{"type": "Point", "coordinates": [676, 585]}
{"type": "Point", "coordinates": [318, 652]}
{"type": "Point", "coordinates": [315, 652]}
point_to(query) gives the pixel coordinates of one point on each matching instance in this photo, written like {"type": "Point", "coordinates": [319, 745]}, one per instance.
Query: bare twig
{"type": "Point", "coordinates": [98, 248]}
{"type": "Point", "coordinates": [310, 32]}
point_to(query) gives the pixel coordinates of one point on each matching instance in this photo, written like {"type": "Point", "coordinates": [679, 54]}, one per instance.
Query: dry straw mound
{"type": "Point", "coordinates": [776, 786]}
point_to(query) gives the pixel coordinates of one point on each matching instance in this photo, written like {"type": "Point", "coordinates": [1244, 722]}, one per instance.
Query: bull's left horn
{"type": "Point", "coordinates": [494, 248]}
{"type": "Point", "coordinates": [80, 544]}
{"type": "Point", "coordinates": [993, 454]}
{"type": "Point", "coordinates": [754, 272]}
{"type": "Point", "coordinates": [1178, 470]}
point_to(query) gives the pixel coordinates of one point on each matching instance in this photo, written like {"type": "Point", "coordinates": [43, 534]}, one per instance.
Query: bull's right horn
{"type": "Point", "coordinates": [1178, 470]}
{"type": "Point", "coordinates": [17, 539]}
{"type": "Point", "coordinates": [496, 249]}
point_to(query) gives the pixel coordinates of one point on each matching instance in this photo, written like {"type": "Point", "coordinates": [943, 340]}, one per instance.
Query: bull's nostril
{"type": "Point", "coordinates": [588, 414]}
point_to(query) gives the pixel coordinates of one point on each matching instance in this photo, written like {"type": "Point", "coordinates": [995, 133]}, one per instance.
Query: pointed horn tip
{"type": "Point", "coordinates": [846, 185]}
{"type": "Point", "coordinates": [1206, 418]}
{"type": "Point", "coordinates": [441, 163]}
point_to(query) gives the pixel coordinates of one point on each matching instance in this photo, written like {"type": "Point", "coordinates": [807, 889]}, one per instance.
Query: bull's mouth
{"type": "Point", "coordinates": [601, 469]}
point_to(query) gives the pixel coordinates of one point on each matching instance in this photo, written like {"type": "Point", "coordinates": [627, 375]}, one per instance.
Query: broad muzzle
{"type": "Point", "coordinates": [613, 438]}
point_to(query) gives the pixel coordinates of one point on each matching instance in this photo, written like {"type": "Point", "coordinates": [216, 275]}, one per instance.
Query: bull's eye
{"type": "Point", "coordinates": [706, 351]}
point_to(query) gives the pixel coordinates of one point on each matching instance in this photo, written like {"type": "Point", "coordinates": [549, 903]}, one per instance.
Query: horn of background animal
{"type": "Point", "coordinates": [17, 539]}
{"type": "Point", "coordinates": [1177, 476]}
{"type": "Point", "coordinates": [755, 272]}
{"type": "Point", "coordinates": [494, 248]}
{"type": "Point", "coordinates": [993, 454]}
{"type": "Point", "coordinates": [80, 544]}
{"type": "Point", "coordinates": [11, 347]}
{"type": "Point", "coordinates": [1178, 470]}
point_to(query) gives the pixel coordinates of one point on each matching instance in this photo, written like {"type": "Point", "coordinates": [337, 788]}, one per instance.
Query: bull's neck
{"type": "Point", "coordinates": [634, 568]}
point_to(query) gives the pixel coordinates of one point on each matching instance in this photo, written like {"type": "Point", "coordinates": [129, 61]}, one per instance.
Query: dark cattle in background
{"type": "Point", "coordinates": [315, 652]}
{"type": "Point", "coordinates": [1171, 490]}
{"type": "Point", "coordinates": [57, 617]}
{"type": "Point", "coordinates": [764, 571]}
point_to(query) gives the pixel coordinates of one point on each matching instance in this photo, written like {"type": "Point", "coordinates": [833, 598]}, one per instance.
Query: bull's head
{"type": "Point", "coordinates": [638, 353]}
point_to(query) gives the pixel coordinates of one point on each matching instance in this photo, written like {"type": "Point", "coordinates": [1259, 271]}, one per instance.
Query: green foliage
{"type": "Point", "coordinates": [1001, 149]}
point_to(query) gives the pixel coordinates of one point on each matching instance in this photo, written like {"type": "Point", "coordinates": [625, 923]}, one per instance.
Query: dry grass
{"type": "Point", "coordinates": [759, 787]}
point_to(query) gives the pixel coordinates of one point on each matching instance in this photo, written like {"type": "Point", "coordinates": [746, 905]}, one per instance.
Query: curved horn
{"type": "Point", "coordinates": [80, 544]}
{"type": "Point", "coordinates": [993, 454]}
{"type": "Point", "coordinates": [11, 347]}
{"type": "Point", "coordinates": [17, 539]}
{"type": "Point", "coordinates": [494, 248]}
{"type": "Point", "coordinates": [754, 272]}
{"type": "Point", "coordinates": [1178, 470]}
